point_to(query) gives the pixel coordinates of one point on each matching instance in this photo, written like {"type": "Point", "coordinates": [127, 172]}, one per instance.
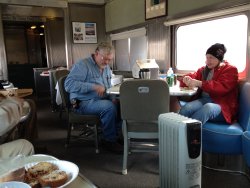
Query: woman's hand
{"type": "Point", "coordinates": [191, 82]}
{"type": "Point", "coordinates": [186, 80]}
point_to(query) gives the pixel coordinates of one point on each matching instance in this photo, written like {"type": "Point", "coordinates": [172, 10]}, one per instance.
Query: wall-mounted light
{"type": "Point", "coordinates": [33, 27]}
{"type": "Point", "coordinates": [42, 26]}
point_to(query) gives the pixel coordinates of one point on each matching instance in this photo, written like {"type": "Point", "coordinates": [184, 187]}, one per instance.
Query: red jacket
{"type": "Point", "coordinates": [222, 88]}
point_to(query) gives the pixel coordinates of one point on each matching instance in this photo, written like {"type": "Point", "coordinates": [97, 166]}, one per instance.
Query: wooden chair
{"type": "Point", "coordinates": [91, 122]}
{"type": "Point", "coordinates": [54, 76]}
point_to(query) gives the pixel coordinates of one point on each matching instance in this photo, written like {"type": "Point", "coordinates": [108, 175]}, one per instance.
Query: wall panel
{"type": "Point", "coordinates": [55, 43]}
{"type": "Point", "coordinates": [120, 13]}
{"type": "Point", "coordinates": [159, 43]}
{"type": "Point", "coordinates": [87, 13]}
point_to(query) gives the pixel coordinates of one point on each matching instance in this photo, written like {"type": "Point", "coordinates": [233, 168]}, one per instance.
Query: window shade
{"type": "Point", "coordinates": [129, 34]}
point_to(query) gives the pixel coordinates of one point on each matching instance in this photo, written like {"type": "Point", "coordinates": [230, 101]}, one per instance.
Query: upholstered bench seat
{"type": "Point", "coordinates": [230, 139]}
{"type": "Point", "coordinates": [246, 146]}
{"type": "Point", "coordinates": [222, 138]}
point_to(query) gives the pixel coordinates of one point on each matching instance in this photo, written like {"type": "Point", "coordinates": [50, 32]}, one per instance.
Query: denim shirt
{"type": "Point", "coordinates": [82, 78]}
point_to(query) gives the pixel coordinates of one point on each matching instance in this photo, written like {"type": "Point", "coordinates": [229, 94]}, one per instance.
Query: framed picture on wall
{"type": "Point", "coordinates": [84, 32]}
{"type": "Point", "coordinates": [155, 8]}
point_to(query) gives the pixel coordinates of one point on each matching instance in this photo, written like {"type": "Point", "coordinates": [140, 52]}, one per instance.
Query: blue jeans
{"type": "Point", "coordinates": [202, 109]}
{"type": "Point", "coordinates": [107, 111]}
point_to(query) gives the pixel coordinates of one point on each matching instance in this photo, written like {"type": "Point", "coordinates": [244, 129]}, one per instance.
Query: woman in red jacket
{"type": "Point", "coordinates": [217, 96]}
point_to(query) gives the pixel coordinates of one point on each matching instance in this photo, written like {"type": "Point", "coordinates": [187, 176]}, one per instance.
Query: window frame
{"type": "Point", "coordinates": [242, 75]}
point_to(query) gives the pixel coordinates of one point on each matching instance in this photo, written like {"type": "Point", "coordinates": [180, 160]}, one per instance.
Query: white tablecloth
{"type": "Point", "coordinates": [58, 95]}
{"type": "Point", "coordinates": [174, 91]}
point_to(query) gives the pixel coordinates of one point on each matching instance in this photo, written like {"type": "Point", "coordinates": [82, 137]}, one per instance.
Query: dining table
{"type": "Point", "coordinates": [45, 73]}
{"type": "Point", "coordinates": [175, 92]}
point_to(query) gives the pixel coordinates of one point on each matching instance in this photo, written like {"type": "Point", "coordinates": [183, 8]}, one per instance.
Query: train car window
{"type": "Point", "coordinates": [129, 47]}
{"type": "Point", "coordinates": [192, 41]}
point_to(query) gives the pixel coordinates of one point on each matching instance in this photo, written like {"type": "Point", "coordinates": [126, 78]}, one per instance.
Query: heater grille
{"type": "Point", "coordinates": [180, 151]}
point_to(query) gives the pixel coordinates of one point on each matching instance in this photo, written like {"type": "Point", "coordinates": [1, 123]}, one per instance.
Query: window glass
{"type": "Point", "coordinates": [193, 40]}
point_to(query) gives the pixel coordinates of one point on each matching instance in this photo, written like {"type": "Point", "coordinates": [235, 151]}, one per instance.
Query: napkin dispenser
{"type": "Point", "coordinates": [146, 64]}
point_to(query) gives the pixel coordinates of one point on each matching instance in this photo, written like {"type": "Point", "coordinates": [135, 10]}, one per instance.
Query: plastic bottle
{"type": "Point", "coordinates": [170, 77]}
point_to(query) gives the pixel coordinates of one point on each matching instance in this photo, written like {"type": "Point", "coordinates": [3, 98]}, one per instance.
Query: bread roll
{"type": "Point", "coordinates": [34, 183]}
{"type": "Point", "coordinates": [41, 168]}
{"type": "Point", "coordinates": [55, 178]}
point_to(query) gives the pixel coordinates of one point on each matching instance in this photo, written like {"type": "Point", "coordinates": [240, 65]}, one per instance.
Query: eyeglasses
{"type": "Point", "coordinates": [104, 57]}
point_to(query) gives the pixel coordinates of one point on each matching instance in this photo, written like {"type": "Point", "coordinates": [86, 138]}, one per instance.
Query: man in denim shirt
{"type": "Point", "coordinates": [87, 82]}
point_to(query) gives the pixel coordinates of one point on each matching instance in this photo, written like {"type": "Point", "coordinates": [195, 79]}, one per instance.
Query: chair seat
{"type": "Point", "coordinates": [76, 118]}
{"type": "Point", "coordinates": [133, 126]}
{"type": "Point", "coordinates": [222, 138]}
{"type": "Point", "coordinates": [246, 146]}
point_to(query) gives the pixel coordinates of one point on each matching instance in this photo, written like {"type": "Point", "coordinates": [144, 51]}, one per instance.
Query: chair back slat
{"type": "Point", "coordinates": [60, 73]}
{"type": "Point", "coordinates": [64, 94]}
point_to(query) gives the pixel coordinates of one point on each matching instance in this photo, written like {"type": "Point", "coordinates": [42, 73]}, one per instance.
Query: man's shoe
{"type": "Point", "coordinates": [113, 146]}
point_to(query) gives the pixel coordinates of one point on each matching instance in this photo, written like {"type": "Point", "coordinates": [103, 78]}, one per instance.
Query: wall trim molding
{"type": "Point", "coordinates": [208, 15]}
{"type": "Point", "coordinates": [129, 34]}
{"type": "Point", "coordinates": [42, 3]}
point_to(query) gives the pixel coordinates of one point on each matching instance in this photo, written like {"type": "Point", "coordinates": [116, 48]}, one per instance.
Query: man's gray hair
{"type": "Point", "coordinates": [106, 47]}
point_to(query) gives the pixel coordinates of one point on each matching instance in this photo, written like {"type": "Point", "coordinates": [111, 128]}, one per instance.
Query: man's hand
{"type": "Point", "coordinates": [100, 90]}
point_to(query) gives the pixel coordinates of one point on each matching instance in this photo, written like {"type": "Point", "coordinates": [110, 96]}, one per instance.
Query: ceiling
{"type": "Point", "coordinates": [23, 11]}
{"type": "Point", "coordinates": [51, 3]}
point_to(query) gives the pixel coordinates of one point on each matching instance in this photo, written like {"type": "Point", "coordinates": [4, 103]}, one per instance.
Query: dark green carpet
{"type": "Point", "coordinates": [104, 169]}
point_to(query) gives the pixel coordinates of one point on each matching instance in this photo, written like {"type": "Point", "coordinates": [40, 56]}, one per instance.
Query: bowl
{"type": "Point", "coordinates": [14, 184]}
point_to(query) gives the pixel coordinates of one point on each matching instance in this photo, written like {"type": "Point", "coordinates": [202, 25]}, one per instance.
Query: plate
{"type": "Point", "coordinates": [38, 158]}
{"type": "Point", "coordinates": [14, 184]}
{"type": "Point", "coordinates": [70, 168]}
{"type": "Point", "coordinates": [12, 164]}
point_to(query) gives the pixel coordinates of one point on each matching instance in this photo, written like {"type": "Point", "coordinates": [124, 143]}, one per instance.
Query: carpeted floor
{"type": "Point", "coordinates": [104, 169]}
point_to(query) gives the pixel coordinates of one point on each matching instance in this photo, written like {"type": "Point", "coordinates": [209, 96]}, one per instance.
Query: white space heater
{"type": "Point", "coordinates": [179, 151]}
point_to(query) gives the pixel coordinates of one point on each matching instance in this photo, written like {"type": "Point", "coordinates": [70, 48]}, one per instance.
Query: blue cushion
{"type": "Point", "coordinates": [244, 107]}
{"type": "Point", "coordinates": [222, 138]}
{"type": "Point", "coordinates": [246, 146]}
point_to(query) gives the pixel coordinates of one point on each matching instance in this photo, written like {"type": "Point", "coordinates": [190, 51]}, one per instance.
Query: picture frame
{"type": "Point", "coordinates": [155, 8]}
{"type": "Point", "coordinates": [84, 32]}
